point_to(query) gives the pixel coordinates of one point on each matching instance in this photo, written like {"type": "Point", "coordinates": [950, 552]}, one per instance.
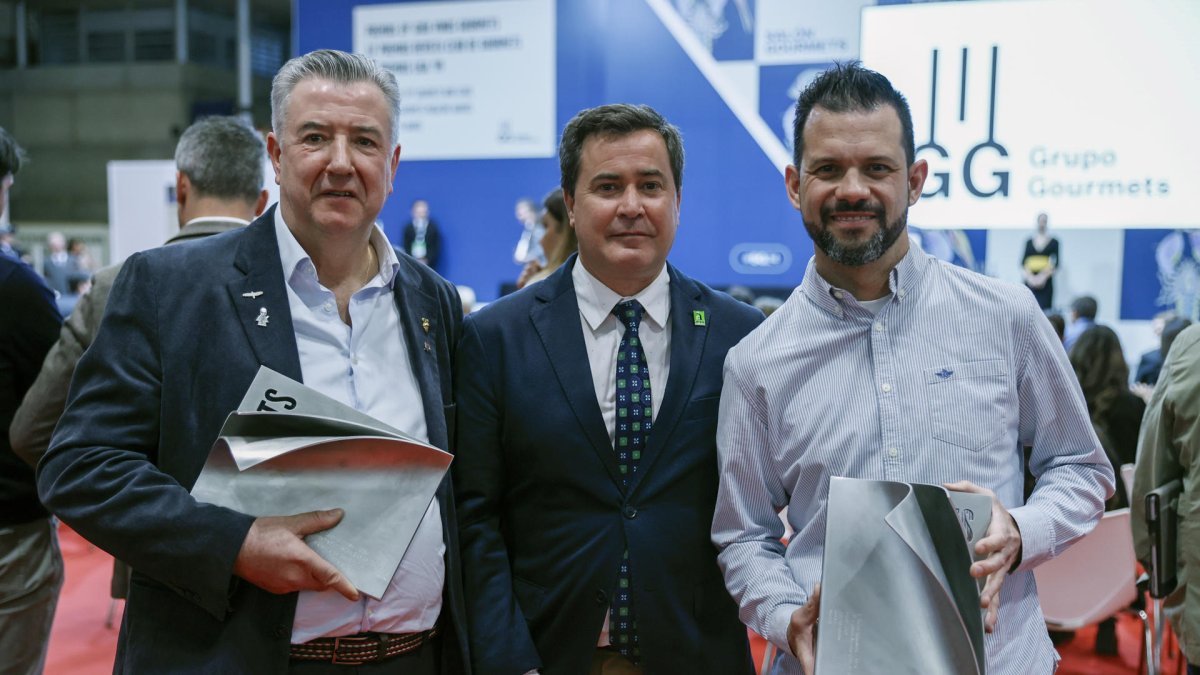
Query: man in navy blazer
{"type": "Point", "coordinates": [585, 487]}
{"type": "Point", "coordinates": [313, 290]}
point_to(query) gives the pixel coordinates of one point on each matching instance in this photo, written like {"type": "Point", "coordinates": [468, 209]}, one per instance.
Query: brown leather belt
{"type": "Point", "coordinates": [361, 648]}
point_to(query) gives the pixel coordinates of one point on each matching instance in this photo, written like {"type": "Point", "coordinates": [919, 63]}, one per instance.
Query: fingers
{"type": "Point", "coordinates": [966, 486]}
{"type": "Point", "coordinates": [802, 631]}
{"type": "Point", "coordinates": [329, 577]}
{"type": "Point", "coordinates": [303, 524]}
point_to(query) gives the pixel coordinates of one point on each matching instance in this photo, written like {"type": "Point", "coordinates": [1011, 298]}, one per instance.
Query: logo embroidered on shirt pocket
{"type": "Point", "coordinates": [967, 402]}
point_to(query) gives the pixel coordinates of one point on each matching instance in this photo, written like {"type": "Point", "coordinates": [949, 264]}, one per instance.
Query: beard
{"type": "Point", "coordinates": [856, 254]}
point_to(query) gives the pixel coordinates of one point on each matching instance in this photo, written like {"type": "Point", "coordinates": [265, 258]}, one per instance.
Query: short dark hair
{"type": "Point", "coordinates": [11, 154]}
{"type": "Point", "coordinates": [222, 157]}
{"type": "Point", "coordinates": [618, 119]}
{"type": "Point", "coordinates": [1085, 307]}
{"type": "Point", "coordinates": [848, 87]}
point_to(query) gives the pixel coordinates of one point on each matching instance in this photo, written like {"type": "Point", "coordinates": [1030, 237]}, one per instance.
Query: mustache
{"type": "Point", "coordinates": [861, 205]}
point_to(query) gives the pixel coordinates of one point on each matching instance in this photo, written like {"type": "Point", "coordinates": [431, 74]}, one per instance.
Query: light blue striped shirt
{"type": "Point", "coordinates": [949, 381]}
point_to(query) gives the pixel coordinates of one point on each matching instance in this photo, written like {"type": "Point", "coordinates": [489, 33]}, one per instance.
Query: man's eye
{"type": "Point", "coordinates": [606, 187]}
{"type": "Point", "coordinates": [651, 185]}
{"type": "Point", "coordinates": [366, 142]}
{"type": "Point", "coordinates": [313, 138]}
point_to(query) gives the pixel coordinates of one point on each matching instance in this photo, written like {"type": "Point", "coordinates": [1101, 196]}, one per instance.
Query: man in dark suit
{"type": "Point", "coordinates": [313, 290]}
{"type": "Point", "coordinates": [586, 472]}
{"type": "Point", "coordinates": [422, 238]}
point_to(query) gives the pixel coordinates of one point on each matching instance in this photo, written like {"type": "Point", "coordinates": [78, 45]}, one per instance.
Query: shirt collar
{"type": "Point", "coordinates": [596, 301]}
{"type": "Point", "coordinates": [296, 260]}
{"type": "Point", "coordinates": [904, 282]}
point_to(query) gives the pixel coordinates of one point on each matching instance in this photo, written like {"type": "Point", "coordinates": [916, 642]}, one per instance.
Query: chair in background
{"type": "Point", "coordinates": [1094, 579]}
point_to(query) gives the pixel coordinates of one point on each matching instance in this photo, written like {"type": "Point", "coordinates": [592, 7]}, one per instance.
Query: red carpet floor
{"type": "Point", "coordinates": [81, 645]}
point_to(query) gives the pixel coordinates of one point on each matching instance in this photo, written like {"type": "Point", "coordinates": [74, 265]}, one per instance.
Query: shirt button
{"type": "Point", "coordinates": [887, 388]}
{"type": "Point", "coordinates": [837, 294]}
{"type": "Point", "coordinates": [900, 293]}
{"type": "Point", "coordinates": [601, 598]}
{"type": "Point", "coordinates": [878, 327]}
{"type": "Point", "coordinates": [892, 452]}
{"type": "Point", "coordinates": [630, 512]}
{"type": "Point", "coordinates": [328, 306]}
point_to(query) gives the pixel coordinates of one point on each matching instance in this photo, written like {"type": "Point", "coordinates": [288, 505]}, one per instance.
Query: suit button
{"type": "Point", "coordinates": [280, 630]}
{"type": "Point", "coordinates": [630, 512]}
{"type": "Point", "coordinates": [601, 597]}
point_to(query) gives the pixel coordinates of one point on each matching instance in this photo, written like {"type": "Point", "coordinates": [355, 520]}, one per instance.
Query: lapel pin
{"type": "Point", "coordinates": [427, 347]}
{"type": "Point", "coordinates": [262, 317]}
{"type": "Point", "coordinates": [252, 294]}
{"type": "Point", "coordinates": [698, 317]}
{"type": "Point", "coordinates": [425, 324]}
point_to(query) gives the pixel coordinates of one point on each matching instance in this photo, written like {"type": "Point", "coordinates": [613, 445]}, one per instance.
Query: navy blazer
{"type": "Point", "coordinates": [543, 516]}
{"type": "Point", "coordinates": [177, 348]}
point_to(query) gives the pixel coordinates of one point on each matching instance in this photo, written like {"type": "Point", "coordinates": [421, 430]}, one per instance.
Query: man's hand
{"type": "Point", "coordinates": [1001, 545]}
{"type": "Point", "coordinates": [802, 631]}
{"type": "Point", "coordinates": [275, 558]}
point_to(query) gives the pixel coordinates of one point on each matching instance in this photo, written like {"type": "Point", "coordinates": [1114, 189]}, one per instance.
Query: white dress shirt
{"type": "Point", "coordinates": [364, 365]}
{"type": "Point", "coordinates": [602, 334]}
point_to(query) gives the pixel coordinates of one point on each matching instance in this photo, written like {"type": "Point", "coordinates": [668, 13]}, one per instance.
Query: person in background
{"type": "Point", "coordinates": [78, 250]}
{"type": "Point", "coordinates": [1058, 322]}
{"type": "Point", "coordinates": [218, 188]}
{"type": "Point", "coordinates": [31, 568]}
{"type": "Point", "coordinates": [559, 241]}
{"type": "Point", "coordinates": [1170, 449]}
{"type": "Point", "coordinates": [1082, 317]}
{"type": "Point", "coordinates": [422, 238]}
{"type": "Point", "coordinates": [58, 265]}
{"type": "Point", "coordinates": [1040, 262]}
{"type": "Point", "coordinates": [529, 246]}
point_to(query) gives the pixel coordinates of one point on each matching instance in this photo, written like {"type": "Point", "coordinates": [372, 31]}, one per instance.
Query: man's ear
{"type": "Point", "coordinates": [182, 188]}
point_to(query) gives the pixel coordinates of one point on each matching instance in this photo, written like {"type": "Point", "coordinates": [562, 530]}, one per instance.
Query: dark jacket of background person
{"type": "Point", "coordinates": [175, 354]}
{"type": "Point", "coordinates": [34, 421]}
{"type": "Point", "coordinates": [544, 517]}
{"type": "Point", "coordinates": [1170, 449]}
{"type": "Point", "coordinates": [433, 241]}
{"type": "Point", "coordinates": [29, 325]}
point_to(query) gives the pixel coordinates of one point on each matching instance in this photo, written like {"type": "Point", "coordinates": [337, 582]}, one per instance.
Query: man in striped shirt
{"type": "Point", "coordinates": [888, 364]}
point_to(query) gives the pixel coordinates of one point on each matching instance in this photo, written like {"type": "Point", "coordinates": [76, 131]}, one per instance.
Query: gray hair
{"type": "Point", "coordinates": [11, 154]}
{"type": "Point", "coordinates": [336, 66]}
{"type": "Point", "coordinates": [222, 158]}
{"type": "Point", "coordinates": [608, 121]}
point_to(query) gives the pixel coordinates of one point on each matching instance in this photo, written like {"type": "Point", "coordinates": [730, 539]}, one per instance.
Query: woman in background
{"type": "Point", "coordinates": [558, 242]}
{"type": "Point", "coordinates": [1116, 414]}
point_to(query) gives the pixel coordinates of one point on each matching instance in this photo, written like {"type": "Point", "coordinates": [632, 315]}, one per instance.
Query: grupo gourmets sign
{"type": "Point", "coordinates": [1074, 107]}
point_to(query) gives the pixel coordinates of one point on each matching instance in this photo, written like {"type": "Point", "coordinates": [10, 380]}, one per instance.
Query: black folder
{"type": "Point", "coordinates": [1162, 523]}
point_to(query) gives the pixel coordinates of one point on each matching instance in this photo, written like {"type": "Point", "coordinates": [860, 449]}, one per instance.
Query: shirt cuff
{"type": "Point", "coordinates": [777, 626]}
{"type": "Point", "coordinates": [1037, 536]}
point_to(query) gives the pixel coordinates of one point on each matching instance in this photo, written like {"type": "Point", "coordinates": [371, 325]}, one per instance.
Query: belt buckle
{"type": "Point", "coordinates": [347, 660]}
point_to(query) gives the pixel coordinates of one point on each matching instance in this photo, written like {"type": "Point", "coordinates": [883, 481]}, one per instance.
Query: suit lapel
{"type": "Point", "coordinates": [423, 337]}
{"type": "Point", "coordinates": [687, 348]}
{"type": "Point", "coordinates": [557, 323]}
{"type": "Point", "coordinates": [260, 299]}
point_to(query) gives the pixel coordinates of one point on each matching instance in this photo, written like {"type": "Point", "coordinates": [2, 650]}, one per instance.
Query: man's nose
{"type": "Point", "coordinates": [630, 205]}
{"type": "Point", "coordinates": [852, 187]}
{"type": "Point", "coordinates": [339, 155]}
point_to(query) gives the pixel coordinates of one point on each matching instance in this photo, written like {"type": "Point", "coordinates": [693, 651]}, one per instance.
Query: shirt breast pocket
{"type": "Point", "coordinates": [967, 402]}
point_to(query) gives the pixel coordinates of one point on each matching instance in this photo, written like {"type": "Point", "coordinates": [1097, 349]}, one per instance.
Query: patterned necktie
{"type": "Point", "coordinates": [634, 420]}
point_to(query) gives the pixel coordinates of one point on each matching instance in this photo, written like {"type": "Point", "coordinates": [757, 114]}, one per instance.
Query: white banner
{"type": "Point", "coordinates": [1084, 109]}
{"type": "Point", "coordinates": [807, 31]}
{"type": "Point", "coordinates": [477, 78]}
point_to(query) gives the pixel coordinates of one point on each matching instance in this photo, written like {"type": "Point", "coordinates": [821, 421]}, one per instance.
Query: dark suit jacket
{"type": "Point", "coordinates": [433, 241]}
{"type": "Point", "coordinates": [177, 348]}
{"type": "Point", "coordinates": [543, 517]}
